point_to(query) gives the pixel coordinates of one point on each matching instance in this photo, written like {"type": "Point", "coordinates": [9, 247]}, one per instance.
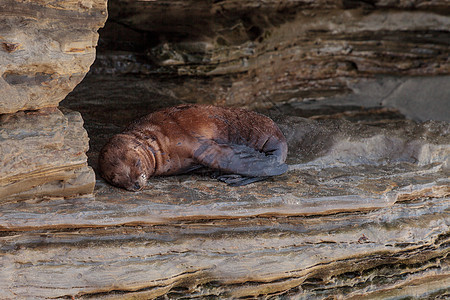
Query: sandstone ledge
{"type": "Point", "coordinates": [362, 212]}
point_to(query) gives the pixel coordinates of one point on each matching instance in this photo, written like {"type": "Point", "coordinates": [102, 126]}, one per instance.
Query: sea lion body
{"type": "Point", "coordinates": [185, 137]}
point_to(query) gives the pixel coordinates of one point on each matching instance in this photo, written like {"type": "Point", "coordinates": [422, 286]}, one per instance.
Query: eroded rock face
{"type": "Point", "coordinates": [362, 212]}
{"type": "Point", "coordinates": [43, 155]}
{"type": "Point", "coordinates": [46, 49]}
{"type": "Point", "coordinates": [337, 143]}
{"type": "Point", "coordinates": [257, 53]}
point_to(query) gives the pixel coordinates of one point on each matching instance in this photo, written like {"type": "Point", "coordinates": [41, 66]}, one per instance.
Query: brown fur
{"type": "Point", "coordinates": [178, 139]}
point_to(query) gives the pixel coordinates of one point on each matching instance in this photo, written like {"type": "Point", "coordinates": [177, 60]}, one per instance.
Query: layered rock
{"type": "Point", "coordinates": [46, 48]}
{"type": "Point", "coordinates": [362, 212]}
{"type": "Point", "coordinates": [256, 53]}
{"type": "Point", "coordinates": [43, 155]}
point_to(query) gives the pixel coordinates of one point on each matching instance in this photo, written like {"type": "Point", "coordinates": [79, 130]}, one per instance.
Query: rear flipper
{"type": "Point", "coordinates": [239, 159]}
{"type": "Point", "coordinates": [239, 180]}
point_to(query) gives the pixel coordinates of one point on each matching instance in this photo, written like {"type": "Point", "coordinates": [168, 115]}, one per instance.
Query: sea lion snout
{"type": "Point", "coordinates": [122, 163]}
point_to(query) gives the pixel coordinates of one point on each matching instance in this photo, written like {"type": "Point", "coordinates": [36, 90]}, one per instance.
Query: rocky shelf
{"type": "Point", "coordinates": [362, 212]}
{"type": "Point", "coordinates": [359, 88]}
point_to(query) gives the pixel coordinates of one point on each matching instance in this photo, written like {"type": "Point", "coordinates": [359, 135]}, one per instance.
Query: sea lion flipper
{"type": "Point", "coordinates": [239, 180]}
{"type": "Point", "coordinates": [238, 159]}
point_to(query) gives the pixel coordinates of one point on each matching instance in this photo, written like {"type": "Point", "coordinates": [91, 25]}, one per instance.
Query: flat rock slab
{"type": "Point", "coordinates": [363, 211]}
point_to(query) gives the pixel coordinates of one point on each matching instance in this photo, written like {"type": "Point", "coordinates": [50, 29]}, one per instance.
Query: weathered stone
{"type": "Point", "coordinates": [363, 211]}
{"type": "Point", "coordinates": [327, 144]}
{"type": "Point", "coordinates": [258, 54]}
{"type": "Point", "coordinates": [43, 155]}
{"type": "Point", "coordinates": [416, 98]}
{"type": "Point", "coordinates": [47, 49]}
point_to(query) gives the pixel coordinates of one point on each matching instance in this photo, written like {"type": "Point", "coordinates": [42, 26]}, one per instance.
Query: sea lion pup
{"type": "Point", "coordinates": [242, 145]}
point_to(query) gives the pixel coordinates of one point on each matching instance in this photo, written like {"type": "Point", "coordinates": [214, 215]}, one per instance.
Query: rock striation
{"type": "Point", "coordinates": [46, 49]}
{"type": "Point", "coordinates": [43, 155]}
{"type": "Point", "coordinates": [362, 212]}
{"type": "Point", "coordinates": [258, 54]}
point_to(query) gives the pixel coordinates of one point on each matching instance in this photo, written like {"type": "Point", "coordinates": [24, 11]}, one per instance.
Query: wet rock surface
{"type": "Point", "coordinates": [362, 211]}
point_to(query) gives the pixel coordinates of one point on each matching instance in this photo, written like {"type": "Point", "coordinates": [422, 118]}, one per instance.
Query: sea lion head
{"type": "Point", "coordinates": [123, 162]}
